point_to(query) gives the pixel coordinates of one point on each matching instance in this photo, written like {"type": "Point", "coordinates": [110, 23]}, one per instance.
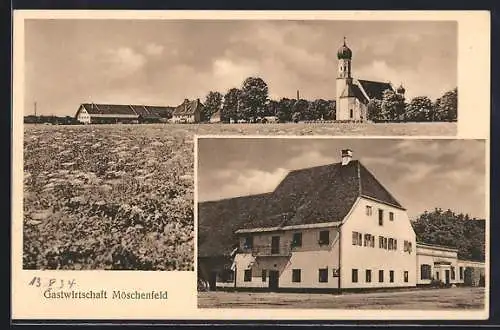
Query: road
{"type": "Point", "coordinates": [421, 299]}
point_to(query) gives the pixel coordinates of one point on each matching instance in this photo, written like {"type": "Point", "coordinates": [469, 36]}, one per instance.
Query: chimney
{"type": "Point", "coordinates": [346, 156]}
{"type": "Point", "coordinates": [298, 95]}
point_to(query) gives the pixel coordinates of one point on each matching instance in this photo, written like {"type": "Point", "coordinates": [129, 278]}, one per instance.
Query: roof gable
{"type": "Point", "coordinates": [352, 90]}
{"type": "Point", "coordinates": [374, 89]}
{"type": "Point", "coordinates": [188, 108]}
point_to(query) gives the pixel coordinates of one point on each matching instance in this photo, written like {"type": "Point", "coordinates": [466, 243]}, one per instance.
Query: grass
{"type": "Point", "coordinates": [419, 299]}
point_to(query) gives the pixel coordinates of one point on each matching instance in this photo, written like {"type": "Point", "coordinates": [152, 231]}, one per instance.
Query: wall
{"type": "Point", "coordinates": [429, 255]}
{"type": "Point", "coordinates": [83, 116]}
{"type": "Point", "coordinates": [309, 258]}
{"type": "Point", "coordinates": [375, 259]}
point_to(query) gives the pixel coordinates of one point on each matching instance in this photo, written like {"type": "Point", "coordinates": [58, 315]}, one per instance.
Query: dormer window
{"type": "Point", "coordinates": [324, 237]}
{"type": "Point", "coordinates": [248, 242]}
{"type": "Point", "coordinates": [297, 240]}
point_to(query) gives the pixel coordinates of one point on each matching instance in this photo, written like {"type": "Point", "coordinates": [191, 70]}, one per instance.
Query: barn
{"type": "Point", "coordinates": [188, 112]}
{"type": "Point", "coordinates": [93, 113]}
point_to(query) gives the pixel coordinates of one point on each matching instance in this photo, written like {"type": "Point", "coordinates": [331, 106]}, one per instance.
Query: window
{"type": "Point", "coordinates": [391, 276]}
{"type": "Point", "coordinates": [405, 276]}
{"type": "Point", "coordinates": [380, 217]}
{"type": "Point", "coordinates": [323, 275]}
{"type": "Point", "coordinates": [425, 272]}
{"type": "Point", "coordinates": [354, 276]}
{"type": "Point", "coordinates": [354, 238]}
{"type": "Point", "coordinates": [248, 244]}
{"type": "Point", "coordinates": [248, 275]}
{"type": "Point", "coordinates": [372, 241]}
{"type": "Point", "coordinates": [264, 275]}
{"type": "Point", "coordinates": [395, 244]}
{"type": "Point", "coordinates": [297, 240]}
{"type": "Point", "coordinates": [461, 273]}
{"type": "Point", "coordinates": [381, 276]}
{"type": "Point", "coordinates": [296, 275]}
{"type": "Point", "coordinates": [407, 246]}
{"type": "Point", "coordinates": [368, 275]}
{"type": "Point", "coordinates": [368, 239]}
{"type": "Point", "coordinates": [391, 245]}
{"type": "Point", "coordinates": [385, 243]}
{"type": "Point", "coordinates": [324, 237]}
{"type": "Point", "coordinates": [360, 239]}
{"type": "Point", "coordinates": [351, 114]}
{"type": "Point", "coordinates": [452, 272]}
{"type": "Point", "coordinates": [381, 242]}
{"type": "Point", "coordinates": [391, 216]}
{"type": "Point", "coordinates": [368, 210]}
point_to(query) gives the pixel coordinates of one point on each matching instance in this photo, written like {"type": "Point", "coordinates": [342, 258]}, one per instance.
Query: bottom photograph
{"type": "Point", "coordinates": [346, 223]}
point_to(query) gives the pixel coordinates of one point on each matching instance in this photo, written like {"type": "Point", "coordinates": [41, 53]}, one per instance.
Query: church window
{"type": "Point", "coordinates": [351, 113]}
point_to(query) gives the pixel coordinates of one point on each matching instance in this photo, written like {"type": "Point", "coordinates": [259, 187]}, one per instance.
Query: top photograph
{"type": "Point", "coordinates": [245, 76]}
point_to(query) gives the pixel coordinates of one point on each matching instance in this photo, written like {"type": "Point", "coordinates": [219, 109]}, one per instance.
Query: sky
{"type": "Point", "coordinates": [420, 174]}
{"type": "Point", "coordinates": [161, 62]}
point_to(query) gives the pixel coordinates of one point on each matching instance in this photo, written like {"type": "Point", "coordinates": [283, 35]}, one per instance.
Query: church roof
{"type": "Point", "coordinates": [306, 196]}
{"type": "Point", "coordinates": [374, 89]}
{"type": "Point", "coordinates": [352, 90]}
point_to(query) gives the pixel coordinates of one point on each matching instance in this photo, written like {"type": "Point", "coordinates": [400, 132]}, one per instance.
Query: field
{"type": "Point", "coordinates": [121, 196]}
{"type": "Point", "coordinates": [429, 299]}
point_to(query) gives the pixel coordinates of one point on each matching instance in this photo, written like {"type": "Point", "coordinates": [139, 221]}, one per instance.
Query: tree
{"type": "Point", "coordinates": [392, 105]}
{"type": "Point", "coordinates": [318, 109]}
{"type": "Point", "coordinates": [213, 103]}
{"type": "Point", "coordinates": [420, 109]}
{"type": "Point", "coordinates": [375, 110]}
{"type": "Point", "coordinates": [447, 105]}
{"type": "Point", "coordinates": [272, 108]}
{"type": "Point", "coordinates": [332, 111]}
{"type": "Point", "coordinates": [301, 107]}
{"type": "Point", "coordinates": [254, 95]}
{"type": "Point", "coordinates": [230, 106]}
{"type": "Point", "coordinates": [285, 110]}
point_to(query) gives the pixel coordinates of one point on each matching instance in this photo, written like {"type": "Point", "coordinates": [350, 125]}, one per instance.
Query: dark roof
{"type": "Point", "coordinates": [108, 109]}
{"type": "Point", "coordinates": [144, 111]}
{"type": "Point", "coordinates": [188, 107]}
{"type": "Point", "coordinates": [307, 196]}
{"type": "Point", "coordinates": [164, 112]}
{"type": "Point", "coordinates": [352, 90]}
{"type": "Point", "coordinates": [374, 89]}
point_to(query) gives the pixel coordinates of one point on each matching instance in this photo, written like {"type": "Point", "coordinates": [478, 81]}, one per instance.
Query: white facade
{"type": "Point", "coordinates": [396, 263]}
{"type": "Point", "coordinates": [83, 116]}
{"type": "Point", "coordinates": [308, 259]}
{"type": "Point", "coordinates": [383, 257]}
{"type": "Point", "coordinates": [178, 119]}
{"type": "Point", "coordinates": [350, 108]}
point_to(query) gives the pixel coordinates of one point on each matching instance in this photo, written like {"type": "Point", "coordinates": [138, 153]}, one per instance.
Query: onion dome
{"type": "Point", "coordinates": [401, 89]}
{"type": "Point", "coordinates": [344, 52]}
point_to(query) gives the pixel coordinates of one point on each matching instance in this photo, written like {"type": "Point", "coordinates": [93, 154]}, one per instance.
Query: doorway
{"type": "Point", "coordinates": [447, 276]}
{"type": "Point", "coordinates": [212, 282]}
{"type": "Point", "coordinates": [273, 280]}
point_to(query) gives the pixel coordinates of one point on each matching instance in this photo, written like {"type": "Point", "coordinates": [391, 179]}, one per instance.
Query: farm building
{"type": "Point", "coordinates": [326, 228]}
{"type": "Point", "coordinates": [353, 95]}
{"type": "Point", "coordinates": [188, 112]}
{"type": "Point", "coordinates": [92, 113]}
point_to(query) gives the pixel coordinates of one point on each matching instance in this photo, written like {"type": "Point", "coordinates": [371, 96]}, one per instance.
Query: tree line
{"type": "Point", "coordinates": [457, 230]}
{"type": "Point", "coordinates": [251, 102]}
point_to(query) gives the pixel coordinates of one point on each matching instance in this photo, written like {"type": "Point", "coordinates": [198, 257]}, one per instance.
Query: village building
{"type": "Point", "coordinates": [215, 117]}
{"type": "Point", "coordinates": [326, 228]}
{"type": "Point", "coordinates": [93, 113]}
{"type": "Point", "coordinates": [353, 95]}
{"type": "Point", "coordinates": [188, 112]}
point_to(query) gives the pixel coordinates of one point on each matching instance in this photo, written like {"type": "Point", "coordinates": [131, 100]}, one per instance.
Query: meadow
{"type": "Point", "coordinates": [121, 196]}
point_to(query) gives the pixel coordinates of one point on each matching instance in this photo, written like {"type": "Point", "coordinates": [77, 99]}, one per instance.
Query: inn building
{"type": "Point", "coordinates": [325, 228]}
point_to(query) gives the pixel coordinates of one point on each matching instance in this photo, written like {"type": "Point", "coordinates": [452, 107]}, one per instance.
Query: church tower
{"type": "Point", "coordinates": [344, 78]}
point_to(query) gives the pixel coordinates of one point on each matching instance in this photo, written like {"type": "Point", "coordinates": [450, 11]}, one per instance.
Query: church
{"type": "Point", "coordinates": [353, 95]}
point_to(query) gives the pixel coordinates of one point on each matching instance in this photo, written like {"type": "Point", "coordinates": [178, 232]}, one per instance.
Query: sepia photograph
{"type": "Point", "coordinates": [342, 223]}
{"type": "Point", "coordinates": [111, 107]}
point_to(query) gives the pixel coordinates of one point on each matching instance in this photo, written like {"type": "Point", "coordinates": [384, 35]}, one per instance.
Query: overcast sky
{"type": "Point", "coordinates": [420, 174]}
{"type": "Point", "coordinates": [161, 62]}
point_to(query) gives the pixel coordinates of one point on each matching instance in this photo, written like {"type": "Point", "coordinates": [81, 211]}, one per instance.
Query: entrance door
{"type": "Point", "coordinates": [447, 276]}
{"type": "Point", "coordinates": [273, 280]}
{"type": "Point", "coordinates": [275, 245]}
{"type": "Point", "coordinates": [212, 282]}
